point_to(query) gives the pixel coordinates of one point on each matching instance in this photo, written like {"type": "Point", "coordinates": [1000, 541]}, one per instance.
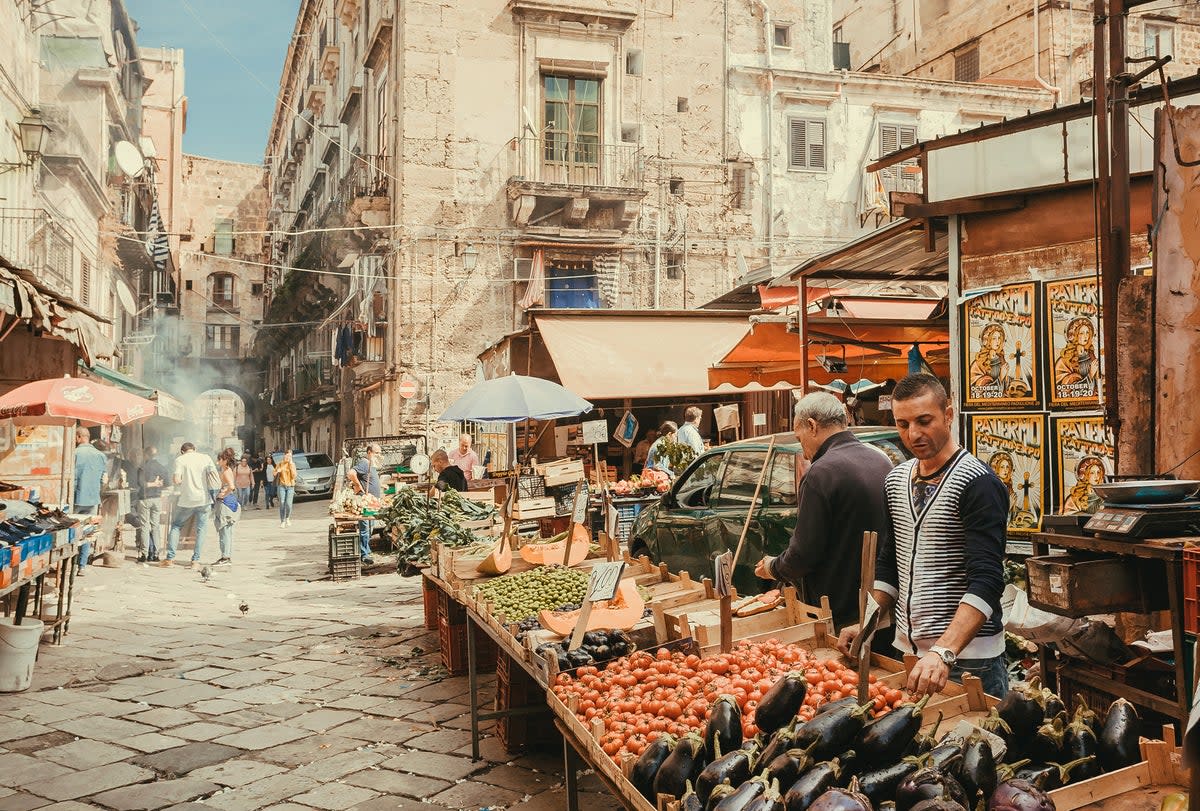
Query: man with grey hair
{"type": "Point", "coordinates": [689, 430]}
{"type": "Point", "coordinates": [840, 497]}
{"type": "Point", "coordinates": [364, 478]}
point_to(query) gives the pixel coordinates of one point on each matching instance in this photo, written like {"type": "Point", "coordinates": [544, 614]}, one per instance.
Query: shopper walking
{"type": "Point", "coordinates": [151, 478]}
{"type": "Point", "coordinates": [196, 479]}
{"type": "Point", "coordinates": [90, 475]}
{"type": "Point", "coordinates": [227, 506]}
{"type": "Point", "coordinates": [285, 479]}
{"type": "Point", "coordinates": [258, 471]}
{"type": "Point", "coordinates": [269, 479]}
{"type": "Point", "coordinates": [364, 478]}
{"type": "Point", "coordinates": [243, 475]}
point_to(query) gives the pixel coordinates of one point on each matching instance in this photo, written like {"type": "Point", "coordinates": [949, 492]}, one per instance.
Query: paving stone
{"type": "Point", "coordinates": [323, 719]}
{"type": "Point", "coordinates": [244, 678]}
{"type": "Point", "coordinates": [284, 709]}
{"type": "Point", "coordinates": [17, 770]}
{"type": "Point", "coordinates": [515, 778]}
{"type": "Point", "coordinates": [387, 781]}
{"type": "Point", "coordinates": [15, 730]}
{"type": "Point", "coordinates": [185, 695]}
{"type": "Point", "coordinates": [55, 737]}
{"type": "Point", "coordinates": [183, 759]}
{"type": "Point", "coordinates": [236, 773]}
{"type": "Point", "coordinates": [263, 737]}
{"type": "Point", "coordinates": [207, 673]}
{"type": "Point", "coordinates": [69, 805]}
{"type": "Point", "coordinates": [381, 730]}
{"type": "Point", "coordinates": [22, 801]}
{"type": "Point", "coordinates": [441, 740]}
{"type": "Point", "coordinates": [261, 694]}
{"type": "Point", "coordinates": [91, 781]}
{"type": "Point", "coordinates": [338, 766]}
{"type": "Point", "coordinates": [429, 764]}
{"type": "Point", "coordinates": [335, 797]}
{"type": "Point", "coordinates": [162, 717]}
{"type": "Point", "coordinates": [475, 795]}
{"type": "Point", "coordinates": [153, 742]}
{"type": "Point", "coordinates": [155, 795]}
{"type": "Point", "coordinates": [309, 749]}
{"type": "Point", "coordinates": [203, 731]}
{"type": "Point", "coordinates": [104, 729]}
{"type": "Point", "coordinates": [296, 666]}
{"type": "Point", "coordinates": [394, 804]}
{"type": "Point", "coordinates": [217, 706]}
{"type": "Point", "coordinates": [35, 712]}
{"type": "Point", "coordinates": [85, 754]}
{"type": "Point", "coordinates": [262, 793]}
{"type": "Point", "coordinates": [356, 702]}
{"type": "Point", "coordinates": [306, 681]}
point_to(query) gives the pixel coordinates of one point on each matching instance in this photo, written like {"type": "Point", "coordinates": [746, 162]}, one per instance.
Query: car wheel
{"type": "Point", "coordinates": [637, 548]}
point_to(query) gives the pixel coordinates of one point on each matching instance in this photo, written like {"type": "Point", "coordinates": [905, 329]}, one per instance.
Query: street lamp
{"type": "Point", "coordinates": [470, 255]}
{"type": "Point", "coordinates": [33, 131]}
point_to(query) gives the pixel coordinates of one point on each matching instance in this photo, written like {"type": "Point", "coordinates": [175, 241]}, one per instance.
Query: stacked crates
{"type": "Point", "coordinates": [344, 562]}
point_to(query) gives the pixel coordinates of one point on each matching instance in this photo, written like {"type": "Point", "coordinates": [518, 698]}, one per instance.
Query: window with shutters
{"type": "Point", "coordinates": [223, 238]}
{"type": "Point", "coordinates": [892, 138]}
{"type": "Point", "coordinates": [85, 281]}
{"type": "Point", "coordinates": [221, 294]}
{"type": "Point", "coordinates": [1159, 39]}
{"type": "Point", "coordinates": [221, 340]}
{"type": "Point", "coordinates": [739, 198]}
{"type": "Point", "coordinates": [806, 144]}
{"type": "Point", "coordinates": [966, 64]}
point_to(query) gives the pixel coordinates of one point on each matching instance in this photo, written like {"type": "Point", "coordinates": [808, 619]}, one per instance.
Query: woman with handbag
{"type": "Point", "coordinates": [228, 508]}
{"type": "Point", "coordinates": [285, 481]}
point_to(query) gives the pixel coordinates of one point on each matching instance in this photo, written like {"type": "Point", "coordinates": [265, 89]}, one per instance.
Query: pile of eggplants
{"type": "Point", "coordinates": [842, 760]}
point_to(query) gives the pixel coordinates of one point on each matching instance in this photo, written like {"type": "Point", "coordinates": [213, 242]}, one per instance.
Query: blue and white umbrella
{"type": "Point", "coordinates": [513, 399]}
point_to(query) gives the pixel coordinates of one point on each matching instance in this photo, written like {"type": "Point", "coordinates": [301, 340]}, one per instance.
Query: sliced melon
{"type": "Point", "coordinates": [620, 613]}
{"type": "Point", "coordinates": [554, 553]}
{"type": "Point", "coordinates": [498, 561]}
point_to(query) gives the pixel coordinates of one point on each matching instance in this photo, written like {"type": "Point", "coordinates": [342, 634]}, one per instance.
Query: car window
{"type": "Point", "coordinates": [783, 480]}
{"type": "Point", "coordinates": [691, 489]}
{"type": "Point", "coordinates": [742, 470]}
{"type": "Point", "coordinates": [894, 450]}
{"type": "Point", "coordinates": [304, 461]}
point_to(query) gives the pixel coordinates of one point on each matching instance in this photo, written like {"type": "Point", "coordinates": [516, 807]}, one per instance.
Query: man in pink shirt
{"type": "Point", "coordinates": [464, 457]}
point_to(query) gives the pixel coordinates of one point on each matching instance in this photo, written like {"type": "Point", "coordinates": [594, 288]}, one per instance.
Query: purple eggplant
{"type": "Point", "coordinates": [743, 795]}
{"type": "Point", "coordinates": [1008, 771]}
{"type": "Point", "coordinates": [1079, 741]}
{"type": "Point", "coordinates": [735, 767]}
{"type": "Point", "coordinates": [1019, 795]}
{"type": "Point", "coordinates": [646, 767]}
{"type": "Point", "coordinates": [812, 784]}
{"type": "Point", "coordinates": [946, 758]}
{"type": "Point", "coordinates": [770, 800]}
{"type": "Point", "coordinates": [1087, 715]}
{"type": "Point", "coordinates": [833, 732]}
{"type": "Point", "coordinates": [928, 784]}
{"type": "Point", "coordinates": [689, 801]}
{"type": "Point", "coordinates": [788, 767]}
{"type": "Point", "coordinates": [719, 793]}
{"type": "Point", "coordinates": [724, 725]}
{"type": "Point", "coordinates": [780, 742]}
{"type": "Point", "coordinates": [881, 784]}
{"type": "Point", "coordinates": [886, 738]}
{"type": "Point", "coordinates": [1051, 776]}
{"type": "Point", "coordinates": [843, 799]}
{"type": "Point", "coordinates": [978, 773]}
{"type": "Point", "coordinates": [781, 703]}
{"type": "Point", "coordinates": [1000, 728]}
{"type": "Point", "coordinates": [925, 741]}
{"type": "Point", "coordinates": [1022, 710]}
{"type": "Point", "coordinates": [1052, 705]}
{"type": "Point", "coordinates": [1118, 737]}
{"type": "Point", "coordinates": [683, 765]}
{"type": "Point", "coordinates": [943, 803]}
{"type": "Point", "coordinates": [833, 705]}
{"type": "Point", "coordinates": [1046, 744]}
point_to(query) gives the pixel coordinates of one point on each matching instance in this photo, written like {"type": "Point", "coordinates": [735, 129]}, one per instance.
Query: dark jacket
{"type": "Point", "coordinates": [152, 469]}
{"type": "Point", "coordinates": [454, 478]}
{"type": "Point", "coordinates": [841, 497]}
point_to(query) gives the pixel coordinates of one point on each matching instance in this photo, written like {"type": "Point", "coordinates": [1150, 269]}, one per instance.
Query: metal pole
{"type": "Point", "coordinates": [953, 293]}
{"type": "Point", "coordinates": [1117, 265]}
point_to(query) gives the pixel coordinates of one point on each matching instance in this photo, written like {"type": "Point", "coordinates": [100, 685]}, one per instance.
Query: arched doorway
{"type": "Point", "coordinates": [220, 416]}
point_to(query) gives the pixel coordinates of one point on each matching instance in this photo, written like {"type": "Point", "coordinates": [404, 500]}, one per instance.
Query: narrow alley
{"type": "Point", "coordinates": [320, 695]}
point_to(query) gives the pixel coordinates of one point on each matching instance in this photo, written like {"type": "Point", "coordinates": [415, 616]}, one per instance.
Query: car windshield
{"type": "Point", "coordinates": [305, 461]}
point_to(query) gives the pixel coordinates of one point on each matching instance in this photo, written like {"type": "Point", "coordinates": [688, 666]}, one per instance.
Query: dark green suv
{"type": "Point", "coordinates": [703, 512]}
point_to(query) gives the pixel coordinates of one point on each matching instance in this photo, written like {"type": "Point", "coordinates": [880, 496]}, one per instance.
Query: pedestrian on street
{"type": "Point", "coordinates": [243, 475]}
{"type": "Point", "coordinates": [689, 432]}
{"type": "Point", "coordinates": [90, 475]}
{"type": "Point", "coordinates": [196, 479]}
{"type": "Point", "coordinates": [269, 479]}
{"type": "Point", "coordinates": [285, 478]}
{"type": "Point", "coordinates": [151, 478]}
{"type": "Point", "coordinates": [259, 472]}
{"type": "Point", "coordinates": [945, 550]}
{"type": "Point", "coordinates": [364, 478]}
{"type": "Point", "coordinates": [227, 507]}
{"type": "Point", "coordinates": [463, 457]}
{"type": "Point", "coordinates": [840, 498]}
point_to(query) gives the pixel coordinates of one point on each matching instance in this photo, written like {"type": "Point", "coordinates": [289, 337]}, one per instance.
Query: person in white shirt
{"type": "Point", "coordinates": [689, 432]}
{"type": "Point", "coordinates": [464, 457]}
{"type": "Point", "coordinates": [194, 473]}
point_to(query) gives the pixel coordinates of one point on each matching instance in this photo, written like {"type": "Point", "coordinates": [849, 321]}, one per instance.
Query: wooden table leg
{"type": "Point", "coordinates": [571, 768]}
{"type": "Point", "coordinates": [473, 687]}
{"type": "Point", "coordinates": [22, 603]}
{"type": "Point", "coordinates": [1175, 594]}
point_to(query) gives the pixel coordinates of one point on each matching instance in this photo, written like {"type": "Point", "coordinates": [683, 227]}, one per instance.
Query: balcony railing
{"type": "Point", "coordinates": [366, 177]}
{"type": "Point", "coordinates": [31, 239]}
{"type": "Point", "coordinates": [558, 161]}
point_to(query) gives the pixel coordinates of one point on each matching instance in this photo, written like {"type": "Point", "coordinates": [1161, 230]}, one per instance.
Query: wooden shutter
{"type": "Point", "coordinates": [816, 144]}
{"type": "Point", "coordinates": [85, 281]}
{"type": "Point", "coordinates": [798, 144]}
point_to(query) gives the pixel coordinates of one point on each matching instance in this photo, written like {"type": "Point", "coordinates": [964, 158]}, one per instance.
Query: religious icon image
{"type": "Point", "coordinates": [1001, 342]}
{"type": "Point", "coordinates": [1084, 457]}
{"type": "Point", "coordinates": [1072, 324]}
{"type": "Point", "coordinates": [1013, 446]}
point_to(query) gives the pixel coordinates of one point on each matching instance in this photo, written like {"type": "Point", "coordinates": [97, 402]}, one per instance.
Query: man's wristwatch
{"type": "Point", "coordinates": [948, 656]}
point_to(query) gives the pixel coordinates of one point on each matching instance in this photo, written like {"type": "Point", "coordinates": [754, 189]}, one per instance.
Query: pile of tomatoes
{"type": "Point", "coordinates": [643, 695]}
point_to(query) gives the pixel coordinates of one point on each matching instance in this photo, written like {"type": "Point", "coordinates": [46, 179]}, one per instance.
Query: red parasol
{"type": "Point", "coordinates": [65, 400]}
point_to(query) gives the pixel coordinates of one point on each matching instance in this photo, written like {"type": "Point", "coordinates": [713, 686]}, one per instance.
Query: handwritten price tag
{"type": "Point", "coordinates": [595, 432]}
{"type": "Point", "coordinates": [723, 574]}
{"type": "Point", "coordinates": [581, 503]}
{"type": "Point", "coordinates": [604, 581]}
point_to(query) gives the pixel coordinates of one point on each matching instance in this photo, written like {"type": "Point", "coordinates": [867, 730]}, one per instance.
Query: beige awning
{"type": "Point", "coordinates": [615, 356]}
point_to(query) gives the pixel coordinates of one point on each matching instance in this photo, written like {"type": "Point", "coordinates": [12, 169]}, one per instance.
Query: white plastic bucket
{"type": "Point", "coordinates": [18, 650]}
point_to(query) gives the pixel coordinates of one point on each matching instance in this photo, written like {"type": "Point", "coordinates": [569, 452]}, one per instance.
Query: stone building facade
{"type": "Point", "coordinates": [430, 163]}
{"type": "Point", "coordinates": [996, 41]}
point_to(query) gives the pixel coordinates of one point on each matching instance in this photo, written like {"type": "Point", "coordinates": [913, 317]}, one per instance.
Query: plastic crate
{"type": "Point", "coordinates": [429, 595]}
{"type": "Point", "coordinates": [516, 689]}
{"type": "Point", "coordinates": [530, 487]}
{"type": "Point", "coordinates": [1191, 591]}
{"type": "Point", "coordinates": [453, 642]}
{"type": "Point", "coordinates": [342, 545]}
{"type": "Point", "coordinates": [345, 568]}
{"type": "Point", "coordinates": [1073, 682]}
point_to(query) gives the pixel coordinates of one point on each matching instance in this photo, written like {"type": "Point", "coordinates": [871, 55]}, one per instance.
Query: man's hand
{"type": "Point", "coordinates": [928, 676]}
{"type": "Point", "coordinates": [846, 639]}
{"type": "Point", "coordinates": [763, 569]}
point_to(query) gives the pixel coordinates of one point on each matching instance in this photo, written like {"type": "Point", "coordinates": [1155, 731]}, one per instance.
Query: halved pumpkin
{"type": "Point", "coordinates": [620, 613]}
{"type": "Point", "coordinates": [499, 560]}
{"type": "Point", "coordinates": [554, 553]}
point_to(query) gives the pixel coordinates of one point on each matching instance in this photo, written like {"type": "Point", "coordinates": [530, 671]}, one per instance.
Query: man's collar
{"type": "Point", "coordinates": [840, 438]}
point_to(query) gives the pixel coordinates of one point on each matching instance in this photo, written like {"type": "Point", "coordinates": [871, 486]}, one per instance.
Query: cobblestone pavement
{"type": "Point", "coordinates": [320, 695]}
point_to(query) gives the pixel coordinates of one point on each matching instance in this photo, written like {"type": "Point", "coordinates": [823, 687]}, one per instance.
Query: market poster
{"type": "Point", "coordinates": [1072, 315]}
{"type": "Point", "coordinates": [1014, 446]}
{"type": "Point", "coordinates": [1001, 341]}
{"type": "Point", "coordinates": [1084, 455]}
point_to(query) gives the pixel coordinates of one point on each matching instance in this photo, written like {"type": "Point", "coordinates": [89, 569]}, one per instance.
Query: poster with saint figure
{"type": "Point", "coordinates": [1084, 456]}
{"type": "Point", "coordinates": [1001, 342]}
{"type": "Point", "coordinates": [1072, 328]}
{"type": "Point", "coordinates": [1014, 446]}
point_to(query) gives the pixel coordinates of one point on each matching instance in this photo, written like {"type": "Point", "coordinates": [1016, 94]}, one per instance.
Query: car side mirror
{"type": "Point", "coordinates": [668, 499]}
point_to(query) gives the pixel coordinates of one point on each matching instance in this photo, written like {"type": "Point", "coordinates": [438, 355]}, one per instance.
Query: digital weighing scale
{"type": "Point", "coordinates": [1138, 521]}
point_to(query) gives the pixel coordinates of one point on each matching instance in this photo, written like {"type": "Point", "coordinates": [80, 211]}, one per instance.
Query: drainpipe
{"type": "Point", "coordinates": [1037, 54]}
{"type": "Point", "coordinates": [769, 169]}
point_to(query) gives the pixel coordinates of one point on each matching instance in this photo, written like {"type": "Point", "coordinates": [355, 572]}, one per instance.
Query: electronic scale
{"type": "Point", "coordinates": [1138, 521]}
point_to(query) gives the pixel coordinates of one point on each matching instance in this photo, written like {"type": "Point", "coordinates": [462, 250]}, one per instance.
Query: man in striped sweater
{"type": "Point", "coordinates": [940, 569]}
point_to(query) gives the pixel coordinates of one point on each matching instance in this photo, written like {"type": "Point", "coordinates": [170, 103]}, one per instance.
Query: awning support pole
{"type": "Point", "coordinates": [802, 330]}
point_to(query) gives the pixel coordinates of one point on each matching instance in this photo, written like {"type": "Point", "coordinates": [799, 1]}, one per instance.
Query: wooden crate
{"type": "Point", "coordinates": [539, 507]}
{"type": "Point", "coordinates": [1080, 587]}
{"type": "Point", "coordinates": [1140, 787]}
{"type": "Point", "coordinates": [562, 471]}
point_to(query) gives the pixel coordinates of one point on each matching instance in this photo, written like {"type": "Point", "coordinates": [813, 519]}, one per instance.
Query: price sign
{"type": "Point", "coordinates": [581, 504]}
{"type": "Point", "coordinates": [885, 402]}
{"type": "Point", "coordinates": [604, 581]}
{"type": "Point", "coordinates": [595, 432]}
{"type": "Point", "coordinates": [723, 574]}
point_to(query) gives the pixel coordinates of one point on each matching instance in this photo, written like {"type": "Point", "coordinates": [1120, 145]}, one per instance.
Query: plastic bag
{"type": "Point", "coordinates": [1032, 623]}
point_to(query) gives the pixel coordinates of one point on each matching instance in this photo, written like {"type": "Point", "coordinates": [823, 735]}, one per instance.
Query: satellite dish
{"type": "Point", "coordinates": [129, 159]}
{"type": "Point", "coordinates": [419, 464]}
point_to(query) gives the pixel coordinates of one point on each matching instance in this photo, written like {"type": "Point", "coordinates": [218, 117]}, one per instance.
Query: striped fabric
{"type": "Point", "coordinates": [156, 236]}
{"type": "Point", "coordinates": [931, 561]}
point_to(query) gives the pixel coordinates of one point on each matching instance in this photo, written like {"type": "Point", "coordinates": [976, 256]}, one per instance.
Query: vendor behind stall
{"type": "Point", "coordinates": [841, 497]}
{"type": "Point", "coordinates": [655, 458]}
{"type": "Point", "coordinates": [364, 478]}
{"type": "Point", "coordinates": [945, 551]}
{"type": "Point", "coordinates": [450, 476]}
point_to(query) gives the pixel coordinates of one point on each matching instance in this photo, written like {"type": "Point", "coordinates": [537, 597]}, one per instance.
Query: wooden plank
{"type": "Point", "coordinates": [1107, 785]}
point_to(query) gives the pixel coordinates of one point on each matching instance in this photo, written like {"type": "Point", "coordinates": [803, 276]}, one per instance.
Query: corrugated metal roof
{"type": "Point", "coordinates": [895, 251]}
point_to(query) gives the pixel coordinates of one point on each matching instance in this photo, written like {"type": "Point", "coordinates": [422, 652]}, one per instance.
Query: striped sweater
{"type": "Point", "coordinates": [950, 553]}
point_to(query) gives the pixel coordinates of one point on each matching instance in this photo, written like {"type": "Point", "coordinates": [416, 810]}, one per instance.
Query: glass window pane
{"type": "Point", "coordinates": [556, 117]}
{"type": "Point", "coordinates": [587, 119]}
{"type": "Point", "coordinates": [741, 477]}
{"type": "Point", "coordinates": [783, 480]}
{"type": "Point", "coordinates": [587, 90]}
{"type": "Point", "coordinates": [556, 88]}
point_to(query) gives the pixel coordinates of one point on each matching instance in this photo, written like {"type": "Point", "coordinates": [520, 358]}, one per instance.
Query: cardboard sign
{"type": "Point", "coordinates": [723, 574]}
{"type": "Point", "coordinates": [595, 432]}
{"type": "Point", "coordinates": [759, 420]}
{"type": "Point", "coordinates": [604, 580]}
{"type": "Point", "coordinates": [579, 515]}
{"type": "Point", "coordinates": [626, 431]}
{"type": "Point", "coordinates": [885, 402]}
